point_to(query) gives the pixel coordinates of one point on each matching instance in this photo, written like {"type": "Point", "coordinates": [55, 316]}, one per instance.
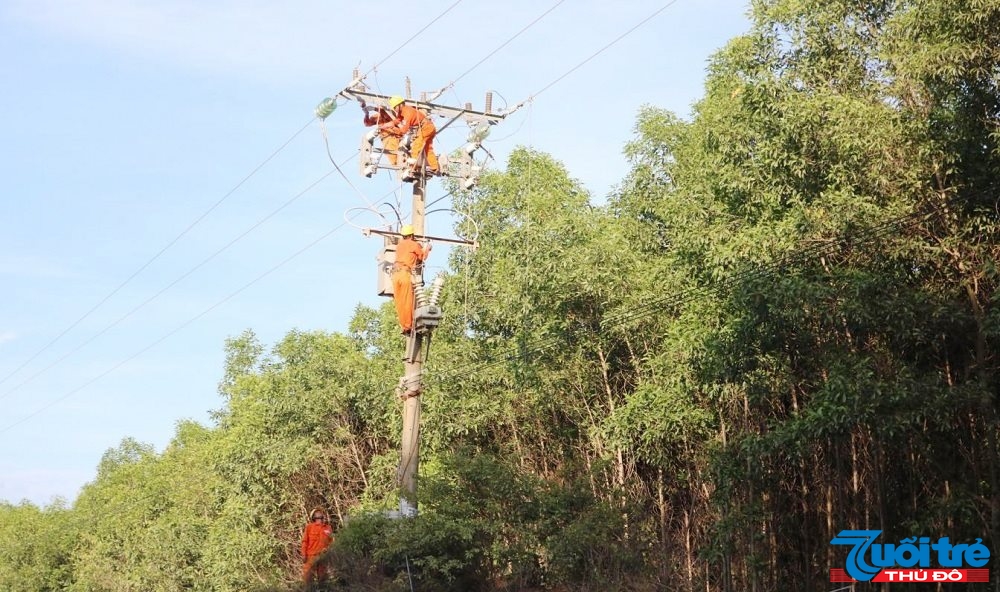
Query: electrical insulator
{"type": "Point", "coordinates": [422, 296]}
{"type": "Point", "coordinates": [479, 133]}
{"type": "Point", "coordinates": [436, 286]}
{"type": "Point", "coordinates": [463, 167]}
{"type": "Point", "coordinates": [325, 108]}
{"type": "Point", "coordinates": [365, 161]}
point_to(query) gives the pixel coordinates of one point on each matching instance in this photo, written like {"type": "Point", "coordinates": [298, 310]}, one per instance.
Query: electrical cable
{"type": "Point", "coordinates": [326, 142]}
{"type": "Point", "coordinates": [183, 276]}
{"type": "Point", "coordinates": [414, 36]}
{"type": "Point", "coordinates": [206, 213]}
{"type": "Point", "coordinates": [545, 344]}
{"type": "Point", "coordinates": [464, 215]}
{"type": "Point", "coordinates": [505, 43]}
{"type": "Point", "coordinates": [531, 98]}
{"type": "Point", "coordinates": [168, 286]}
{"type": "Point", "coordinates": [603, 49]}
{"type": "Point", "coordinates": [163, 250]}
{"type": "Point", "coordinates": [176, 330]}
{"type": "Point", "coordinates": [451, 85]}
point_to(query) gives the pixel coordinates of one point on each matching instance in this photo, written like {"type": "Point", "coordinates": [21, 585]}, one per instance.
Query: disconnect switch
{"type": "Point", "coordinates": [385, 260]}
{"type": "Point", "coordinates": [427, 317]}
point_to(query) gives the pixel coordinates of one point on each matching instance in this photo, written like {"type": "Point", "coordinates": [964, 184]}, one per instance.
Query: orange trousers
{"type": "Point", "coordinates": [390, 147]}
{"type": "Point", "coordinates": [402, 295]}
{"type": "Point", "coordinates": [313, 572]}
{"type": "Point", "coordinates": [423, 144]}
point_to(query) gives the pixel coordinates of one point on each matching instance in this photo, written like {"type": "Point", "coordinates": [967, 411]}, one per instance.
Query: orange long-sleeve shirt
{"type": "Point", "coordinates": [409, 253]}
{"type": "Point", "coordinates": [317, 537]}
{"type": "Point", "coordinates": [409, 117]}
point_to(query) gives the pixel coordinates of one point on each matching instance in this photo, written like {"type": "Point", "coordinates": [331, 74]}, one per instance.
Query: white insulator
{"type": "Point", "coordinates": [471, 147]}
{"type": "Point", "coordinates": [422, 296]}
{"type": "Point", "coordinates": [478, 133]}
{"type": "Point", "coordinates": [436, 286]}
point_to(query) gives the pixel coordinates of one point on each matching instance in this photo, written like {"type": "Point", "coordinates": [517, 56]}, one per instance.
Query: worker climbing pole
{"type": "Point", "coordinates": [407, 132]}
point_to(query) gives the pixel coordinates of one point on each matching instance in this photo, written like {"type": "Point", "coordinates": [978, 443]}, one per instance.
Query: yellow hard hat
{"type": "Point", "coordinates": [406, 230]}
{"type": "Point", "coordinates": [395, 101]}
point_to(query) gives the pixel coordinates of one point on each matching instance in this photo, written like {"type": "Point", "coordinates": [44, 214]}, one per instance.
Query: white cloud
{"type": "Point", "coordinates": [6, 336]}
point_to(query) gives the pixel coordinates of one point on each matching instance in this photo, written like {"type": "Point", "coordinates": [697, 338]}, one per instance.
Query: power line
{"type": "Point", "coordinates": [414, 36]}
{"type": "Point", "coordinates": [168, 286]}
{"type": "Point", "coordinates": [176, 330]}
{"type": "Point", "coordinates": [442, 14]}
{"type": "Point", "coordinates": [156, 256]}
{"type": "Point", "coordinates": [505, 43]}
{"type": "Point", "coordinates": [196, 317]}
{"type": "Point", "coordinates": [195, 223]}
{"type": "Point", "coordinates": [603, 49]}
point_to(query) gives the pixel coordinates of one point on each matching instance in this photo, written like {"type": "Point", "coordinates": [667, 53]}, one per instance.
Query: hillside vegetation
{"type": "Point", "coordinates": [781, 325]}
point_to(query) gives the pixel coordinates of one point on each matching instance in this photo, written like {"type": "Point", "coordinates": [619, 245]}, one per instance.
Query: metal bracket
{"type": "Point", "coordinates": [409, 386]}
{"type": "Point", "coordinates": [440, 239]}
{"type": "Point", "coordinates": [427, 318]}
{"type": "Point", "coordinates": [414, 343]}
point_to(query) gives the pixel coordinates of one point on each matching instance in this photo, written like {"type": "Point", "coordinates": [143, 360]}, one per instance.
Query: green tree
{"type": "Point", "coordinates": [35, 547]}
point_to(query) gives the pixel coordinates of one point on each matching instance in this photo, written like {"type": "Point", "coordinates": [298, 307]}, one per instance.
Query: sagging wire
{"type": "Point", "coordinates": [395, 210]}
{"type": "Point", "coordinates": [326, 142]}
{"type": "Point", "coordinates": [502, 98]}
{"type": "Point", "coordinates": [475, 225]}
{"type": "Point", "coordinates": [439, 199]}
{"type": "Point", "coordinates": [408, 214]}
{"type": "Point", "coordinates": [510, 135]}
{"type": "Point", "coordinates": [388, 223]}
{"type": "Point", "coordinates": [391, 174]}
{"type": "Point", "coordinates": [504, 110]}
{"type": "Point", "coordinates": [466, 259]}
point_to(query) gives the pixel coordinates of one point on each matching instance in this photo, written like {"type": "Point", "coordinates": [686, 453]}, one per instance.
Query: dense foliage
{"type": "Point", "coordinates": [781, 325]}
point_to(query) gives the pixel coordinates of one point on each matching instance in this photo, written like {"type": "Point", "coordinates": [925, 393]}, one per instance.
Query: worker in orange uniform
{"type": "Point", "coordinates": [421, 148]}
{"type": "Point", "coordinates": [409, 254]}
{"type": "Point", "coordinates": [317, 537]}
{"type": "Point", "coordinates": [383, 118]}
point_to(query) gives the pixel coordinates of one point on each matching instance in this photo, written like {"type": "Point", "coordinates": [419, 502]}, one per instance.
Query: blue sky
{"type": "Point", "coordinates": [123, 122]}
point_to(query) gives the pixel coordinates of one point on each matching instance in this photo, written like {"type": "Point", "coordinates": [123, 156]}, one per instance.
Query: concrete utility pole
{"type": "Point", "coordinates": [409, 463]}
{"type": "Point", "coordinates": [427, 314]}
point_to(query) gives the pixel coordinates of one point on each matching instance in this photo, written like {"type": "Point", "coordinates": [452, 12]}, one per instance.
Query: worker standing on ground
{"type": "Point", "coordinates": [317, 537]}
{"type": "Point", "coordinates": [381, 117]}
{"type": "Point", "coordinates": [421, 148]}
{"type": "Point", "coordinates": [409, 255]}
